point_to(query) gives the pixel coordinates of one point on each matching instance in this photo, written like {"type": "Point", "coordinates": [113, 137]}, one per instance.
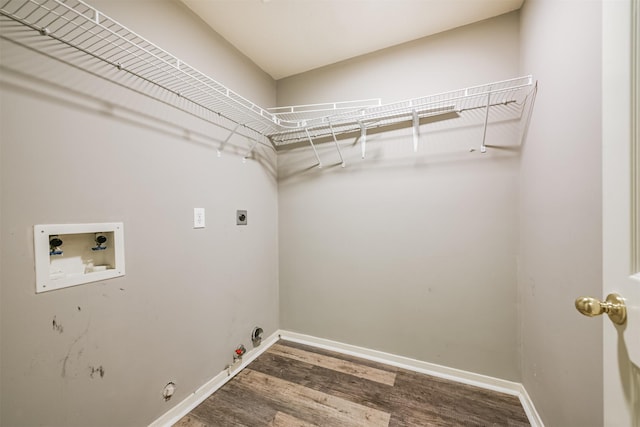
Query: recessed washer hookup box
{"type": "Point", "coordinates": [74, 254]}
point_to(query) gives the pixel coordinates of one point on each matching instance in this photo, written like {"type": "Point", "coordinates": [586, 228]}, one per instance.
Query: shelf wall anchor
{"type": "Point", "coordinates": [246, 156]}
{"type": "Point", "coordinates": [335, 141]}
{"type": "Point", "coordinates": [314, 148]}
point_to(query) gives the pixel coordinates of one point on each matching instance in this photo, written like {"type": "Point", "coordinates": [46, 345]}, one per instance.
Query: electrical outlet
{"type": "Point", "coordinates": [198, 217]}
{"type": "Point", "coordinates": [241, 217]}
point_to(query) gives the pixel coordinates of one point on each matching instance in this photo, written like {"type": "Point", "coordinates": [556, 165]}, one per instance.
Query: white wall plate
{"type": "Point", "coordinates": [88, 253]}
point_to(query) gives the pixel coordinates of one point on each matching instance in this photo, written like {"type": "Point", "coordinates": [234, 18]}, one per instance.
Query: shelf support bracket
{"type": "Point", "coordinates": [483, 147]}
{"type": "Point", "coordinates": [314, 148]}
{"type": "Point", "coordinates": [224, 143]}
{"type": "Point", "coordinates": [335, 141]}
{"type": "Point", "coordinates": [246, 156]}
{"type": "Point", "coordinates": [363, 138]}
{"type": "Point", "coordinates": [416, 130]}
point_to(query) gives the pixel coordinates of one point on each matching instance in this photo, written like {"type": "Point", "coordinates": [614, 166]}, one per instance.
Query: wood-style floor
{"type": "Point", "coordinates": [296, 385]}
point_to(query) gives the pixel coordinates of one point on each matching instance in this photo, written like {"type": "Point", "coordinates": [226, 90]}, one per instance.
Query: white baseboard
{"type": "Point", "coordinates": [529, 408]}
{"type": "Point", "coordinates": [200, 395]}
{"type": "Point", "coordinates": [458, 375]}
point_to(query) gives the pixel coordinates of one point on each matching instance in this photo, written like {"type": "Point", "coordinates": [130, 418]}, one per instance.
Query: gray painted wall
{"type": "Point", "coordinates": [560, 212]}
{"type": "Point", "coordinates": [413, 254]}
{"type": "Point", "coordinates": [76, 149]}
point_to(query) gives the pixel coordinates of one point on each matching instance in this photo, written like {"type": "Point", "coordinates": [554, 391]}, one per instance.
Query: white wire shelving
{"type": "Point", "coordinates": [374, 116]}
{"type": "Point", "coordinates": [76, 24]}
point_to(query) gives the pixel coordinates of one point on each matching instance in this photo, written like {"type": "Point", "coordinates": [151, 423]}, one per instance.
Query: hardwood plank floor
{"type": "Point", "coordinates": [336, 364]}
{"type": "Point", "coordinates": [292, 385]}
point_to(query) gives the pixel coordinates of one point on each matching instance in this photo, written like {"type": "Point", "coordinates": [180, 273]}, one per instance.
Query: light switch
{"type": "Point", "coordinates": [198, 217]}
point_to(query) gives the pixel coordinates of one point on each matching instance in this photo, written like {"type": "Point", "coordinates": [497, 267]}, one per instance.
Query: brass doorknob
{"type": "Point", "coordinates": [613, 306]}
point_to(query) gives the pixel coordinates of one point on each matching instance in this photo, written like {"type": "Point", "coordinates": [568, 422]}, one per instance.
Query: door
{"type": "Point", "coordinates": [621, 209]}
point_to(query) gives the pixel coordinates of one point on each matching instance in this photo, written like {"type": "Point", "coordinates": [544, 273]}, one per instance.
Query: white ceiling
{"type": "Point", "coordinates": [287, 37]}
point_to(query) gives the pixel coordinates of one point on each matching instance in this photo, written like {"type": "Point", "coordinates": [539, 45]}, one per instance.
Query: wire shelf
{"type": "Point", "coordinates": [302, 113]}
{"type": "Point", "coordinates": [80, 26]}
{"type": "Point", "coordinates": [75, 23]}
{"type": "Point", "coordinates": [335, 123]}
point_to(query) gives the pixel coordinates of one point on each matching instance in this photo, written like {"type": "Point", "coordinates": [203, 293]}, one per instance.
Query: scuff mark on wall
{"type": "Point", "coordinates": [57, 326]}
{"type": "Point", "coordinates": [65, 360]}
{"type": "Point", "coordinates": [98, 370]}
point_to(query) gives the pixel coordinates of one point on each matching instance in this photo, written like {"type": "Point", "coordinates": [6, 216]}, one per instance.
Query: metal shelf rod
{"type": "Point", "coordinates": [335, 141]}
{"type": "Point", "coordinates": [314, 148]}
{"type": "Point", "coordinates": [483, 147]}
